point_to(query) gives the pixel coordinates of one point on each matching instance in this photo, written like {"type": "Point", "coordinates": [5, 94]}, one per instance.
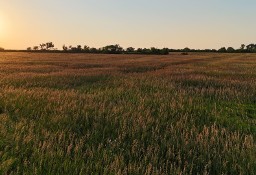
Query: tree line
{"type": "Point", "coordinates": [251, 48]}
{"type": "Point", "coordinates": [117, 49]}
{"type": "Point", "coordinates": [43, 47]}
{"type": "Point", "coordinates": [109, 49]}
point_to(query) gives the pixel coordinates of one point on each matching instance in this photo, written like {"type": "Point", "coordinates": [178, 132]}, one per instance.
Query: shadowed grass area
{"type": "Point", "coordinates": [58, 82]}
{"type": "Point", "coordinates": [167, 115]}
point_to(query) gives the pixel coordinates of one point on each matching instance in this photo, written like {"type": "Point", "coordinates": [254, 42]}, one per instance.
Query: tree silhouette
{"type": "Point", "coordinates": [165, 51]}
{"type": "Point", "coordinates": [117, 49]}
{"type": "Point", "coordinates": [251, 47]}
{"type": "Point", "coordinates": [242, 46]}
{"type": "Point", "coordinates": [186, 49]}
{"type": "Point", "coordinates": [65, 48]}
{"type": "Point", "coordinates": [139, 50]}
{"type": "Point", "coordinates": [35, 48]}
{"type": "Point", "coordinates": [86, 48]}
{"type": "Point", "coordinates": [130, 49]}
{"type": "Point", "coordinates": [230, 50]}
{"type": "Point", "coordinates": [223, 49]}
{"type": "Point", "coordinates": [42, 46]}
{"type": "Point", "coordinates": [49, 46]}
{"type": "Point", "coordinates": [79, 48]}
{"type": "Point", "coordinates": [93, 50]}
{"type": "Point", "coordinates": [112, 49]}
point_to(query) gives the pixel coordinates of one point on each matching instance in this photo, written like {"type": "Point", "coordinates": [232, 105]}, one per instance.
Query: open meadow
{"type": "Point", "coordinates": [127, 114]}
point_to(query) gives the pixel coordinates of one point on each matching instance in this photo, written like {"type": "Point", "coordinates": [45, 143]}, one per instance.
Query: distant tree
{"type": "Point", "coordinates": [146, 51]}
{"type": "Point", "coordinates": [139, 50]}
{"type": "Point", "coordinates": [86, 48]}
{"type": "Point", "coordinates": [35, 48]}
{"type": "Point", "coordinates": [1, 49]}
{"type": "Point", "coordinates": [155, 51]}
{"type": "Point", "coordinates": [65, 48]}
{"type": "Point", "coordinates": [73, 49]}
{"type": "Point", "coordinates": [130, 49]}
{"type": "Point", "coordinates": [112, 49]}
{"type": "Point", "coordinates": [49, 46]}
{"type": "Point", "coordinates": [29, 49]}
{"type": "Point", "coordinates": [242, 46]}
{"type": "Point", "coordinates": [165, 51]}
{"type": "Point", "coordinates": [206, 50]}
{"type": "Point", "coordinates": [100, 50]}
{"type": "Point", "coordinates": [230, 50]}
{"type": "Point", "coordinates": [251, 48]}
{"type": "Point", "coordinates": [223, 49]}
{"type": "Point", "coordinates": [186, 49]}
{"type": "Point", "coordinates": [79, 48]}
{"type": "Point", "coordinates": [93, 50]}
{"type": "Point", "coordinates": [42, 46]}
{"type": "Point", "coordinates": [173, 50]}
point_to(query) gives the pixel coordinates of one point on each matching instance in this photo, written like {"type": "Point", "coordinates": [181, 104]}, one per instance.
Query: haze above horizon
{"type": "Point", "coordinates": [197, 24]}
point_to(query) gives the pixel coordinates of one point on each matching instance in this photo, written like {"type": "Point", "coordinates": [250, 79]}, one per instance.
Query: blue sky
{"type": "Point", "coordinates": [141, 23]}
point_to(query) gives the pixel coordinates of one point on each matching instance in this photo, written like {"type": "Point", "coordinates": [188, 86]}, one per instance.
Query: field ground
{"type": "Point", "coordinates": [127, 114]}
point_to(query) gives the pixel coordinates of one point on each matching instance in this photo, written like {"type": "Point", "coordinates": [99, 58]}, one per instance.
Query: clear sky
{"type": "Point", "coordinates": [138, 23]}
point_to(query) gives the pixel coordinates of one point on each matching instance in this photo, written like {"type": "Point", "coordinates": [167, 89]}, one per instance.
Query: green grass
{"type": "Point", "coordinates": [191, 116]}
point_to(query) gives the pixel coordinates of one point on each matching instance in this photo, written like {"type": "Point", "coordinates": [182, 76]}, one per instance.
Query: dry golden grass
{"type": "Point", "coordinates": [127, 114]}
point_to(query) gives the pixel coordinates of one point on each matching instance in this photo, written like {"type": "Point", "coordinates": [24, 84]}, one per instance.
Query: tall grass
{"type": "Point", "coordinates": [127, 114]}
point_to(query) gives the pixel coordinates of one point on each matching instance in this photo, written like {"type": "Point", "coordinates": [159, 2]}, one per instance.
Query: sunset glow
{"type": "Point", "coordinates": [166, 23]}
{"type": "Point", "coordinates": [1, 27]}
{"type": "Point", "coordinates": [127, 87]}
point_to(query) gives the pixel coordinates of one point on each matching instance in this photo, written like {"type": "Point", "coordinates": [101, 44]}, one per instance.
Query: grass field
{"type": "Point", "coordinates": [127, 114]}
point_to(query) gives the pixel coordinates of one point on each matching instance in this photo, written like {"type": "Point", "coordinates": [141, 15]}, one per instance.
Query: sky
{"type": "Point", "coordinates": [198, 24]}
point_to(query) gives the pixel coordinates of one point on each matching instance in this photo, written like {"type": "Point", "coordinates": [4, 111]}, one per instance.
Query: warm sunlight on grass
{"type": "Point", "coordinates": [127, 114]}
